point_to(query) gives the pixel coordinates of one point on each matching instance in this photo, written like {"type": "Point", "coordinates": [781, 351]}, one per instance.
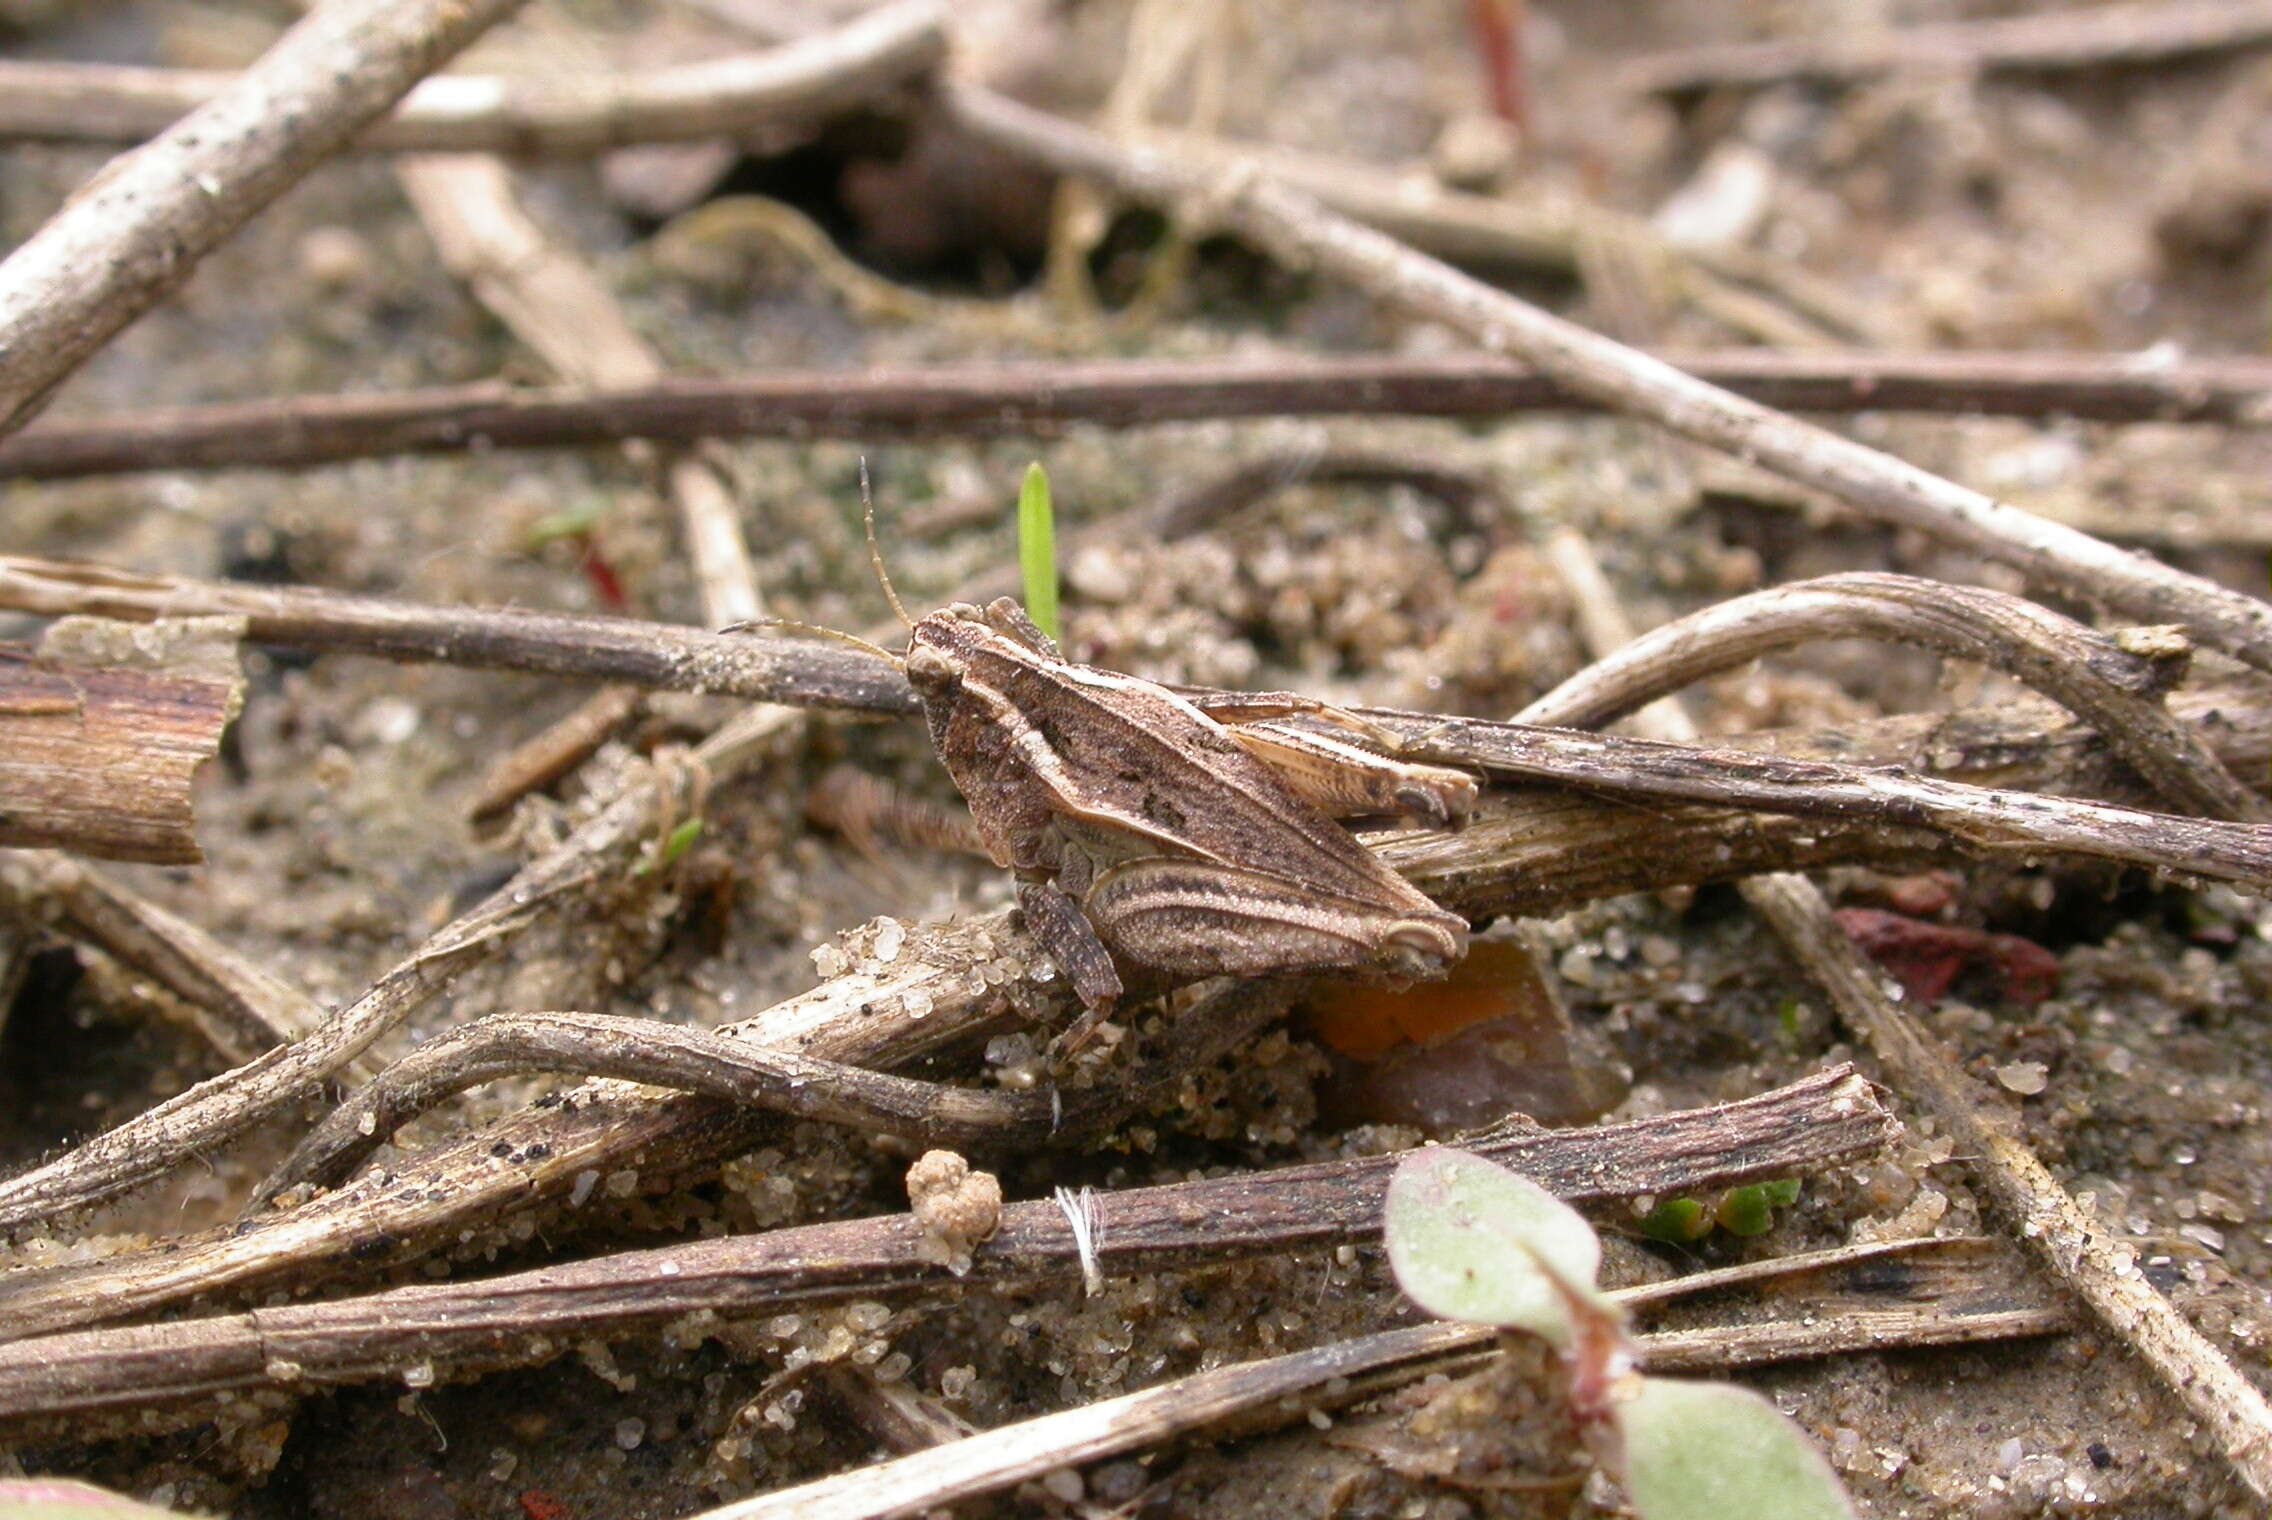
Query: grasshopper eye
{"type": "Point", "coordinates": [930, 672]}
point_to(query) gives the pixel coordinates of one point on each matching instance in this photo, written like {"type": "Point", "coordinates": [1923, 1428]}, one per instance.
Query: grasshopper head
{"type": "Point", "coordinates": [936, 652]}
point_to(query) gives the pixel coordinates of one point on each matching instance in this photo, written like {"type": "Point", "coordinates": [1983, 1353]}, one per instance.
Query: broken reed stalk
{"type": "Point", "coordinates": [890, 45]}
{"type": "Point", "coordinates": [1043, 399]}
{"type": "Point", "coordinates": [2093, 37]}
{"type": "Point", "coordinates": [1247, 1397]}
{"type": "Point", "coordinates": [98, 760]}
{"type": "Point", "coordinates": [529, 1316]}
{"type": "Point", "coordinates": [2114, 684]}
{"type": "Point", "coordinates": [140, 227]}
{"type": "Point", "coordinates": [815, 672]}
{"type": "Point", "coordinates": [223, 1107]}
{"type": "Point", "coordinates": [1299, 231]}
{"type": "Point", "coordinates": [1537, 851]}
{"type": "Point", "coordinates": [2032, 1203]}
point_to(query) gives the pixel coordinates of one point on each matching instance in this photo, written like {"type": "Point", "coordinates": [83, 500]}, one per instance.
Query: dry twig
{"type": "Point", "coordinates": [1042, 399]}
{"type": "Point", "coordinates": [554, 303]}
{"type": "Point", "coordinates": [2113, 684]}
{"type": "Point", "coordinates": [2089, 37]}
{"type": "Point", "coordinates": [1299, 230]}
{"type": "Point", "coordinates": [2080, 1253]}
{"type": "Point", "coordinates": [139, 228]}
{"type": "Point", "coordinates": [779, 1081]}
{"type": "Point", "coordinates": [460, 113]}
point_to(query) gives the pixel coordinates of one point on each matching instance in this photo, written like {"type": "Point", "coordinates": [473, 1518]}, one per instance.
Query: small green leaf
{"type": "Point", "coordinates": [1470, 1240]}
{"type": "Point", "coordinates": [1782, 1192]}
{"type": "Point", "coordinates": [1677, 1221]}
{"type": "Point", "coordinates": [1037, 548]}
{"type": "Point", "coordinates": [1712, 1451]}
{"type": "Point", "coordinates": [577, 522]}
{"type": "Point", "coordinates": [681, 840]}
{"type": "Point", "coordinates": [674, 846]}
{"type": "Point", "coordinates": [1793, 1019]}
{"type": "Point", "coordinates": [1746, 1211]}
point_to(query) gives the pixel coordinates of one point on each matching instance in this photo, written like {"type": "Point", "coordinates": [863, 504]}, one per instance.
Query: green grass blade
{"type": "Point", "coordinates": [1037, 548]}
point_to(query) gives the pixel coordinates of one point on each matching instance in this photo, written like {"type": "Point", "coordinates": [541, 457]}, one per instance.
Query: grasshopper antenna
{"type": "Point", "coordinates": [810, 630]}
{"type": "Point", "coordinates": [875, 554]}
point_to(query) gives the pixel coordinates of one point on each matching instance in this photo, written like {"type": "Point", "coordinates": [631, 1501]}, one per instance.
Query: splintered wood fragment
{"type": "Point", "coordinates": [1251, 1396]}
{"type": "Point", "coordinates": [2060, 38]}
{"type": "Point", "coordinates": [1295, 228]}
{"type": "Point", "coordinates": [140, 227]}
{"type": "Point", "coordinates": [84, 102]}
{"type": "Point", "coordinates": [1043, 399]}
{"type": "Point", "coordinates": [526, 1317]}
{"type": "Point", "coordinates": [100, 760]}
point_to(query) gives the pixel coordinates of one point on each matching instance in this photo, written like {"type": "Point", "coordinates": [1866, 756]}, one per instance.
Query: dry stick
{"type": "Point", "coordinates": [1303, 233]}
{"type": "Point", "coordinates": [525, 1316]}
{"type": "Point", "coordinates": [1545, 231]}
{"type": "Point", "coordinates": [543, 758]}
{"type": "Point", "coordinates": [77, 102]}
{"type": "Point", "coordinates": [794, 671]}
{"type": "Point", "coordinates": [555, 304]}
{"type": "Point", "coordinates": [1252, 1396]}
{"type": "Point", "coordinates": [2079, 1252]}
{"type": "Point", "coordinates": [927, 998]}
{"type": "Point", "coordinates": [1041, 399]}
{"type": "Point", "coordinates": [245, 1010]}
{"type": "Point", "coordinates": [1976, 819]}
{"type": "Point", "coordinates": [2091, 37]}
{"type": "Point", "coordinates": [217, 1110]}
{"type": "Point", "coordinates": [138, 228]}
{"type": "Point", "coordinates": [784, 1082]}
{"type": "Point", "coordinates": [1536, 852]}
{"type": "Point", "coordinates": [2114, 684]}
{"type": "Point", "coordinates": [2048, 1222]}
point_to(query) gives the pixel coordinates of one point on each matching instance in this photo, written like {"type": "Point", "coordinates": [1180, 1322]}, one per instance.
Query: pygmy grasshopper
{"type": "Point", "coordinates": [1145, 831]}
